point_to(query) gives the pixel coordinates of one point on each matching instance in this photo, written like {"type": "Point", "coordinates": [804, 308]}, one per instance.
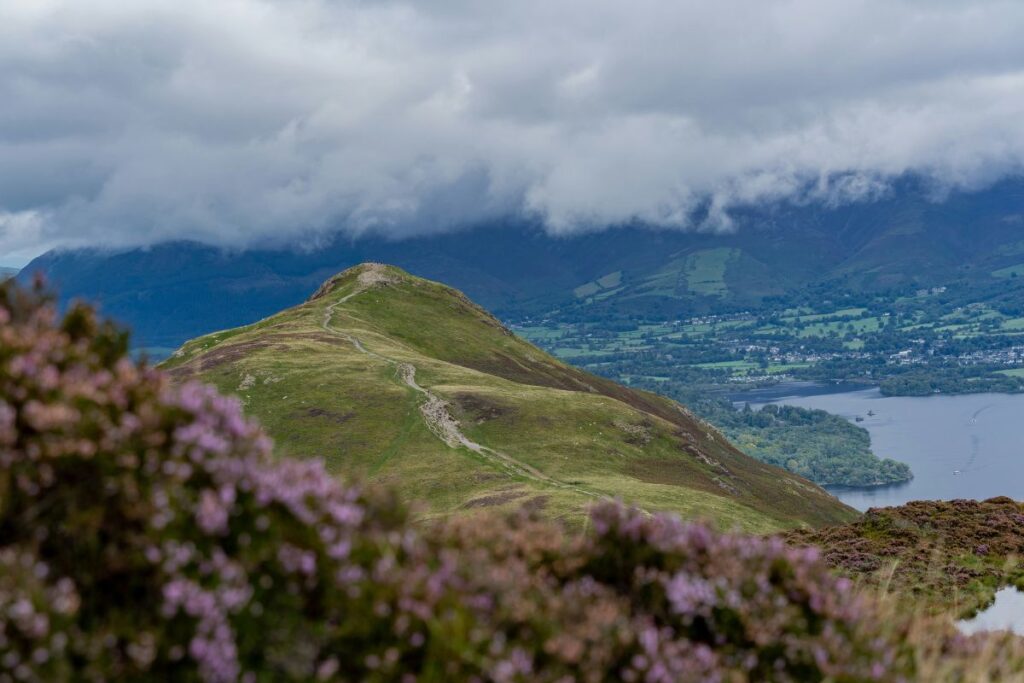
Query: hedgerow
{"type": "Point", "coordinates": [147, 532]}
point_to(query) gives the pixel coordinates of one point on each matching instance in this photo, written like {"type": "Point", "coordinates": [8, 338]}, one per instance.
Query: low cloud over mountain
{"type": "Point", "coordinates": [253, 120]}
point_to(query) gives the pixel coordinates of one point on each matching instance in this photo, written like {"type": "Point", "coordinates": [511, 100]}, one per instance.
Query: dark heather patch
{"type": "Point", "coordinates": [480, 408]}
{"type": "Point", "coordinates": [493, 500]}
{"type": "Point", "coordinates": [339, 418]}
{"type": "Point", "coordinates": [673, 472]}
{"type": "Point", "coordinates": [323, 337]}
{"type": "Point", "coordinates": [484, 476]}
{"type": "Point", "coordinates": [691, 447]}
{"type": "Point", "coordinates": [536, 504]}
{"type": "Point", "coordinates": [220, 355]}
{"type": "Point", "coordinates": [556, 376]}
{"type": "Point", "coordinates": [233, 352]}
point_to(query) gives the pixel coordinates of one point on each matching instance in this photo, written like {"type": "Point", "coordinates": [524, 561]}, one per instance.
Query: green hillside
{"type": "Point", "coordinates": [406, 381]}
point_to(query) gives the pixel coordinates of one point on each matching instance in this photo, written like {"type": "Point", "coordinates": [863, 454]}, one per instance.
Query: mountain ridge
{"type": "Point", "coordinates": [399, 379]}
{"type": "Point", "coordinates": [174, 291]}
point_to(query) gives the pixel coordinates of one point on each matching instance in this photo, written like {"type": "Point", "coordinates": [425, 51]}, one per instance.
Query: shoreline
{"type": "Point", "coordinates": [804, 388]}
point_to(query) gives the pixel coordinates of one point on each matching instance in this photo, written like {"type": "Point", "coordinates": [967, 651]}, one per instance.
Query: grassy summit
{"type": "Point", "coordinates": [406, 381]}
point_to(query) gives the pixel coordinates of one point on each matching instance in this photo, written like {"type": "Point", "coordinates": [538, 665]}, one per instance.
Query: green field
{"type": "Point", "coordinates": [607, 285]}
{"type": "Point", "coordinates": [795, 333]}
{"type": "Point", "coordinates": [728, 365]}
{"type": "Point", "coordinates": [1012, 271]}
{"type": "Point", "coordinates": [705, 271]}
{"type": "Point", "coordinates": [839, 327]}
{"type": "Point", "coordinates": [702, 272]}
{"type": "Point", "coordinates": [845, 313]}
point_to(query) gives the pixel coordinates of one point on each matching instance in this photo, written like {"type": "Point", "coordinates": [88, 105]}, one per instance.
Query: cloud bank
{"type": "Point", "coordinates": [245, 120]}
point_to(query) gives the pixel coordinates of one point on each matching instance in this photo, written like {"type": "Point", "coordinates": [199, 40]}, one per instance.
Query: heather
{"type": "Point", "coordinates": [147, 532]}
{"type": "Point", "coordinates": [942, 555]}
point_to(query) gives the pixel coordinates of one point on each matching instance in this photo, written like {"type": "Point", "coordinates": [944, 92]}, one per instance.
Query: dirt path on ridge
{"type": "Point", "coordinates": [436, 414]}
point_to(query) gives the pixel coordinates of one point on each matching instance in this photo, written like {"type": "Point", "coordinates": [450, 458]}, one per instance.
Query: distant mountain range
{"type": "Point", "coordinates": [173, 291]}
{"type": "Point", "coordinates": [397, 379]}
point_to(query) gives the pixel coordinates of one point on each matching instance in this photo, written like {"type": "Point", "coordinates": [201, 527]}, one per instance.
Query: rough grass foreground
{"type": "Point", "coordinates": [147, 534]}
{"type": "Point", "coordinates": [941, 555]}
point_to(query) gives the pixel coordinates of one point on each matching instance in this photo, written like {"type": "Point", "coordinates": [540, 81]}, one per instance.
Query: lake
{"type": "Point", "coordinates": [1002, 615]}
{"type": "Point", "coordinates": [969, 446]}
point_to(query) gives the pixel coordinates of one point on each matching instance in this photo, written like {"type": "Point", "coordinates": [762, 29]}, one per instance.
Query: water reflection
{"type": "Point", "coordinates": [1005, 614]}
{"type": "Point", "coordinates": [871, 496]}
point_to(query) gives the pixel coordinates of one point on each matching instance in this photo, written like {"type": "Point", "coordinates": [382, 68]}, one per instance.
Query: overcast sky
{"type": "Point", "coordinates": [234, 121]}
